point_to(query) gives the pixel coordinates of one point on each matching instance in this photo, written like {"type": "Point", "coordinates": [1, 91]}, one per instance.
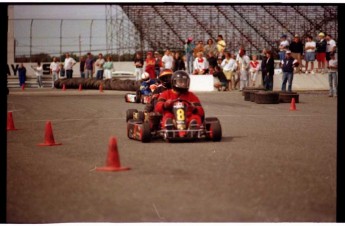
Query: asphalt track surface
{"type": "Point", "coordinates": [272, 165]}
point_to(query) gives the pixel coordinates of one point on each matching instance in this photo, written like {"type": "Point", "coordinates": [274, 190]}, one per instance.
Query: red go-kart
{"type": "Point", "coordinates": [144, 126]}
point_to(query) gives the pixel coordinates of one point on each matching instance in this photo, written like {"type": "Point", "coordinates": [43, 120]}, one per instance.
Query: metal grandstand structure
{"type": "Point", "coordinates": [160, 26]}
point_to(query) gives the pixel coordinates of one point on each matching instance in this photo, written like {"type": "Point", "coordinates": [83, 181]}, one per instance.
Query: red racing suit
{"type": "Point", "coordinates": [193, 112]}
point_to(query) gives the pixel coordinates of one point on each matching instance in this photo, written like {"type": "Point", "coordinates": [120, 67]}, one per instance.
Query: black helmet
{"type": "Point", "coordinates": [180, 81]}
{"type": "Point", "coordinates": [165, 77]}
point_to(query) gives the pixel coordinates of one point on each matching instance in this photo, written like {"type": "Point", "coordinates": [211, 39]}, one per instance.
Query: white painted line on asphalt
{"type": "Point", "coordinates": [154, 206]}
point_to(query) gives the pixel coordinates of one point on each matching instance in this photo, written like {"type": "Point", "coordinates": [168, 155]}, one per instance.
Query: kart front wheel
{"type": "Point", "coordinates": [129, 114]}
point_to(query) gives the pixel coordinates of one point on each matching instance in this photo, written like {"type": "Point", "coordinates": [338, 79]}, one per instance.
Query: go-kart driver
{"type": "Point", "coordinates": [164, 84]}
{"type": "Point", "coordinates": [146, 83]}
{"type": "Point", "coordinates": [180, 90]}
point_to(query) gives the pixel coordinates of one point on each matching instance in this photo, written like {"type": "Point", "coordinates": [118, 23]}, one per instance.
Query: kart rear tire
{"type": "Point", "coordinates": [216, 131]}
{"type": "Point", "coordinates": [146, 133]}
{"type": "Point", "coordinates": [129, 114]}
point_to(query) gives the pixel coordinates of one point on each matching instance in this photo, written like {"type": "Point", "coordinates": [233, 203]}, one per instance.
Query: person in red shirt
{"type": "Point", "coordinates": [150, 65]}
{"type": "Point", "coordinates": [180, 90]}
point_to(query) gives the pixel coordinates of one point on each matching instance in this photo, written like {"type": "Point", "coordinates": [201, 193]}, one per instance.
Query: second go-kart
{"type": "Point", "coordinates": [144, 126]}
{"type": "Point", "coordinates": [137, 98]}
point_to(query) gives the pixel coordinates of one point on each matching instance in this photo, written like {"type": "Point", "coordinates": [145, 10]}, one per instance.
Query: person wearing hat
{"type": "Point", "coordinates": [296, 48]}
{"type": "Point", "coordinates": [321, 46]}
{"type": "Point", "coordinates": [283, 46]}
{"type": "Point", "coordinates": [287, 66]}
{"type": "Point", "coordinates": [189, 49]}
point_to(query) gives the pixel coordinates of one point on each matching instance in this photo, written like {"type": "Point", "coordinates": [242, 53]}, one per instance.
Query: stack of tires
{"type": "Point", "coordinates": [92, 83]}
{"type": "Point", "coordinates": [260, 96]}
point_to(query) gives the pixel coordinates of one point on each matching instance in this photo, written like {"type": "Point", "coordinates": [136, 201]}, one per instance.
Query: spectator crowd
{"type": "Point", "coordinates": [234, 69]}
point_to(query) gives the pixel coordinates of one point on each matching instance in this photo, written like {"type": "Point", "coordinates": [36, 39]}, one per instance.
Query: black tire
{"type": "Point", "coordinates": [216, 131]}
{"type": "Point", "coordinates": [248, 88]}
{"type": "Point", "coordinates": [286, 97]}
{"type": "Point", "coordinates": [267, 97]}
{"type": "Point", "coordinates": [252, 95]}
{"type": "Point", "coordinates": [129, 130]}
{"type": "Point", "coordinates": [141, 115]}
{"type": "Point", "coordinates": [246, 95]}
{"type": "Point", "coordinates": [138, 97]}
{"type": "Point", "coordinates": [129, 114]}
{"type": "Point", "coordinates": [146, 133]}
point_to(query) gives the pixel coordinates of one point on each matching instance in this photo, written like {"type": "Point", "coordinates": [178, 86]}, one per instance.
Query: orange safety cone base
{"type": "Point", "coordinates": [49, 137]}
{"type": "Point", "coordinates": [112, 168]}
{"type": "Point", "coordinates": [49, 144]}
{"type": "Point", "coordinates": [113, 158]}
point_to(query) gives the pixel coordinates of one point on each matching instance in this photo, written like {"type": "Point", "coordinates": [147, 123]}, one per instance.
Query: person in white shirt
{"type": "Point", "coordinates": [200, 64]}
{"type": "Point", "coordinates": [309, 48]}
{"type": "Point", "coordinates": [54, 70]}
{"type": "Point", "coordinates": [68, 65]}
{"type": "Point", "coordinates": [167, 60]}
{"type": "Point", "coordinates": [332, 75]}
{"type": "Point", "coordinates": [331, 47]}
{"type": "Point", "coordinates": [98, 66]}
{"type": "Point", "coordinates": [243, 62]}
{"type": "Point", "coordinates": [229, 68]}
{"type": "Point", "coordinates": [283, 46]}
{"type": "Point", "coordinates": [39, 73]}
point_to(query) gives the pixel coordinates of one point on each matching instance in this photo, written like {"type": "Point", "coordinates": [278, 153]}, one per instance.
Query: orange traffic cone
{"type": "Point", "coordinates": [49, 137]}
{"type": "Point", "coordinates": [23, 87]}
{"type": "Point", "coordinates": [293, 105]}
{"type": "Point", "coordinates": [80, 87]}
{"type": "Point", "coordinates": [63, 87]}
{"type": "Point", "coordinates": [101, 88]}
{"type": "Point", "coordinates": [113, 159]}
{"type": "Point", "coordinates": [10, 123]}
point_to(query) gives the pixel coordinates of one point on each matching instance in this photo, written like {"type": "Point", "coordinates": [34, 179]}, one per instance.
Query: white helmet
{"type": "Point", "coordinates": [145, 76]}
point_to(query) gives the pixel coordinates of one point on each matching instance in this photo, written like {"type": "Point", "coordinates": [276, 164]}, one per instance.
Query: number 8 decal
{"type": "Point", "coordinates": [180, 114]}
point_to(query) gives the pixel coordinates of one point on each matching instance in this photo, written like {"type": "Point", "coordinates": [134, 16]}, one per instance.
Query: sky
{"type": "Point", "coordinates": [77, 21]}
{"type": "Point", "coordinates": [83, 28]}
